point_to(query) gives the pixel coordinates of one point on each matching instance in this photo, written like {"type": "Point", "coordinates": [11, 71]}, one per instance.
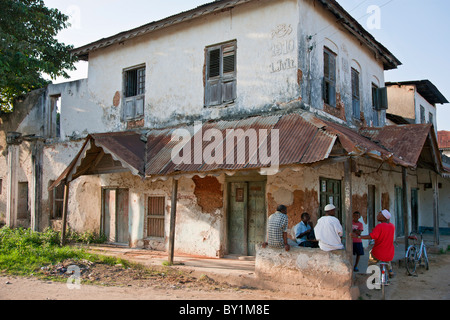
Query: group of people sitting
{"type": "Point", "coordinates": [328, 232]}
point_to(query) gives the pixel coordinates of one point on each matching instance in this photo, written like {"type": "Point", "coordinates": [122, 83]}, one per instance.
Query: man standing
{"type": "Point", "coordinates": [329, 230]}
{"type": "Point", "coordinates": [277, 230]}
{"type": "Point", "coordinates": [383, 234]}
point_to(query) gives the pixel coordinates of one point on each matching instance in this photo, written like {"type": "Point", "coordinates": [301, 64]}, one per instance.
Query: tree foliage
{"type": "Point", "coordinates": [29, 48]}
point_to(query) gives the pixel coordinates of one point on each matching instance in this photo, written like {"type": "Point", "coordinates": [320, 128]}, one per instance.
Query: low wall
{"type": "Point", "coordinates": [312, 273]}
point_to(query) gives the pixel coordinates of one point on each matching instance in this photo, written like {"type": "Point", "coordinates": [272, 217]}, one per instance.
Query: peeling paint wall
{"type": "Point", "coordinates": [265, 32]}
{"type": "Point", "coordinates": [311, 273]}
{"type": "Point", "coordinates": [198, 230]}
{"type": "Point", "coordinates": [318, 29]}
{"type": "Point", "coordinates": [405, 101]}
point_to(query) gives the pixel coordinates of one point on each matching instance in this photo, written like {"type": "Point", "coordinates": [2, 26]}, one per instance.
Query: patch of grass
{"type": "Point", "coordinates": [23, 251]}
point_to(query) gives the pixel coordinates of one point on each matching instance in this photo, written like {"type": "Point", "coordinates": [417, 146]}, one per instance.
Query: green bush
{"type": "Point", "coordinates": [24, 252]}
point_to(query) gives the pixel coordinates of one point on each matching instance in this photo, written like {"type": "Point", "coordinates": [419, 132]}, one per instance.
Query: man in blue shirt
{"type": "Point", "coordinates": [304, 233]}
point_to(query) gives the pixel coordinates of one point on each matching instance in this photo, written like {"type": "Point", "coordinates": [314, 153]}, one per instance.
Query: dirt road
{"type": "Point", "coordinates": [433, 284]}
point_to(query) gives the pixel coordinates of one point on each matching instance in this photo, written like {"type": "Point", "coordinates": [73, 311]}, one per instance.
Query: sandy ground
{"type": "Point", "coordinates": [433, 284]}
{"type": "Point", "coordinates": [428, 285]}
{"type": "Point", "coordinates": [13, 288]}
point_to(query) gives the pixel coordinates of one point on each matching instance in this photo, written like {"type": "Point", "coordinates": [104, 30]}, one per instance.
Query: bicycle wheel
{"type": "Point", "coordinates": [383, 281]}
{"type": "Point", "coordinates": [410, 260]}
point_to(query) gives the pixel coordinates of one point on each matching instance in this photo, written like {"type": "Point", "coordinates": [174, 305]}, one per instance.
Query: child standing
{"type": "Point", "coordinates": [358, 249]}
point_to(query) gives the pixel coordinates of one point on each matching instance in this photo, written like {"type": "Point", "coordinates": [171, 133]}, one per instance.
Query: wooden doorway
{"type": "Point", "coordinates": [330, 193]}
{"type": "Point", "coordinates": [115, 225]}
{"type": "Point", "coordinates": [246, 217]}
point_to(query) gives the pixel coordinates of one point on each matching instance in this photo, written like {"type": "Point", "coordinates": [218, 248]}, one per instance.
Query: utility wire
{"type": "Point", "coordinates": [360, 18]}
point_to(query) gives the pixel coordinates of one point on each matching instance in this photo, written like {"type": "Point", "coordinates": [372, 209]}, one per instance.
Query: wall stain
{"type": "Point", "coordinates": [209, 193]}
{"type": "Point", "coordinates": [304, 201]}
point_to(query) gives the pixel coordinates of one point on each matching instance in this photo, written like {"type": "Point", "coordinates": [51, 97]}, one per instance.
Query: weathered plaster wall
{"type": "Point", "coordinates": [318, 29]}
{"type": "Point", "coordinates": [426, 201]}
{"type": "Point", "coordinates": [175, 90]}
{"type": "Point", "coordinates": [401, 101]}
{"type": "Point", "coordinates": [84, 198]}
{"type": "Point", "coordinates": [299, 190]}
{"type": "Point", "coordinates": [309, 272]}
{"type": "Point", "coordinates": [429, 109]}
{"type": "Point", "coordinates": [82, 112]}
{"type": "Point", "coordinates": [198, 230]}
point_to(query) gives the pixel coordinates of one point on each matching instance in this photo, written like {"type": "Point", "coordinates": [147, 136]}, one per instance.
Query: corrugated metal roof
{"type": "Point", "coordinates": [302, 139]}
{"type": "Point", "coordinates": [444, 139]}
{"type": "Point", "coordinates": [125, 147]}
{"type": "Point", "coordinates": [300, 142]}
{"type": "Point", "coordinates": [406, 142]}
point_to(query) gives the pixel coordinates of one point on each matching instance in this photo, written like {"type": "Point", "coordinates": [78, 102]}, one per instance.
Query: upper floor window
{"type": "Point", "coordinates": [329, 77]}
{"type": "Point", "coordinates": [430, 118]}
{"type": "Point", "coordinates": [379, 102]}
{"type": "Point", "coordinates": [356, 95]}
{"type": "Point", "coordinates": [422, 114]}
{"type": "Point", "coordinates": [220, 74]}
{"type": "Point", "coordinates": [376, 112]}
{"type": "Point", "coordinates": [134, 93]}
{"type": "Point", "coordinates": [53, 118]}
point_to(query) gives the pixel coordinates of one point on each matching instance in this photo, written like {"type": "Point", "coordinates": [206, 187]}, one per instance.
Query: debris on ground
{"type": "Point", "coordinates": [142, 277]}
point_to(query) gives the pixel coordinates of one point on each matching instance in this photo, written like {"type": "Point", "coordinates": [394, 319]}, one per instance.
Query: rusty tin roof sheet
{"type": "Point", "coordinates": [406, 142]}
{"type": "Point", "coordinates": [302, 139]}
{"type": "Point", "coordinates": [125, 147]}
{"type": "Point", "coordinates": [300, 142]}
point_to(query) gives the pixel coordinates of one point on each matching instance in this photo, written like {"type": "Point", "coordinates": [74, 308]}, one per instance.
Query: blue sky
{"type": "Point", "coordinates": [415, 31]}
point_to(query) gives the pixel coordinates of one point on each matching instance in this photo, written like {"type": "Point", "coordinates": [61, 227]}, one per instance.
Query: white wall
{"type": "Point", "coordinates": [174, 58]}
{"type": "Point", "coordinates": [320, 24]}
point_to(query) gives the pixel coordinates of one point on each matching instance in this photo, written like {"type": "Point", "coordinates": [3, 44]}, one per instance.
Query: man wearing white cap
{"type": "Point", "coordinates": [383, 234]}
{"type": "Point", "coordinates": [329, 231]}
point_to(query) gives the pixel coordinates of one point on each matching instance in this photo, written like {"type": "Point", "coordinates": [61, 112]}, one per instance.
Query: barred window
{"type": "Point", "coordinates": [134, 93]}
{"type": "Point", "coordinates": [155, 216]}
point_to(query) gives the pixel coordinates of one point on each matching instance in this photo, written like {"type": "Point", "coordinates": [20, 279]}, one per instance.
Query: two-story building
{"type": "Point", "coordinates": [224, 85]}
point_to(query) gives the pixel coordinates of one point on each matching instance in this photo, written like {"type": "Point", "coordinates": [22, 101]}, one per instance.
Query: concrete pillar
{"type": "Point", "coordinates": [12, 185]}
{"type": "Point", "coordinates": [348, 206]}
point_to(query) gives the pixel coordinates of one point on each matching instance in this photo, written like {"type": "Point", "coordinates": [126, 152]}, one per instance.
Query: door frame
{"type": "Point", "coordinates": [103, 214]}
{"type": "Point", "coordinates": [239, 178]}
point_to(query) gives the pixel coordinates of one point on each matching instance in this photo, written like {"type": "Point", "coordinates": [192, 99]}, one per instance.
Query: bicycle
{"type": "Point", "coordinates": [415, 254]}
{"type": "Point", "coordinates": [384, 267]}
{"type": "Point", "coordinates": [380, 278]}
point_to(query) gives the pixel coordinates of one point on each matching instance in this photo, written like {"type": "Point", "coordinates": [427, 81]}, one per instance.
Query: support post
{"type": "Point", "coordinates": [36, 158]}
{"type": "Point", "coordinates": [436, 210]}
{"type": "Point", "coordinates": [11, 202]}
{"type": "Point", "coordinates": [64, 220]}
{"type": "Point", "coordinates": [405, 206]}
{"type": "Point", "coordinates": [173, 215]}
{"type": "Point", "coordinates": [348, 206]}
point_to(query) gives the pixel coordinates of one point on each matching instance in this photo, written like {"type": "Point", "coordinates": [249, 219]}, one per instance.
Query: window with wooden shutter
{"type": "Point", "coordinates": [329, 77]}
{"type": "Point", "coordinates": [221, 74]}
{"type": "Point", "coordinates": [376, 112]}
{"type": "Point", "coordinates": [356, 101]}
{"type": "Point", "coordinates": [422, 114]}
{"type": "Point", "coordinates": [134, 93]}
{"type": "Point", "coordinates": [155, 217]}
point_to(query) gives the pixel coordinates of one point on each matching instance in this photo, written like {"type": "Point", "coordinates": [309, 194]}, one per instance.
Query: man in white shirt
{"type": "Point", "coordinates": [329, 230]}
